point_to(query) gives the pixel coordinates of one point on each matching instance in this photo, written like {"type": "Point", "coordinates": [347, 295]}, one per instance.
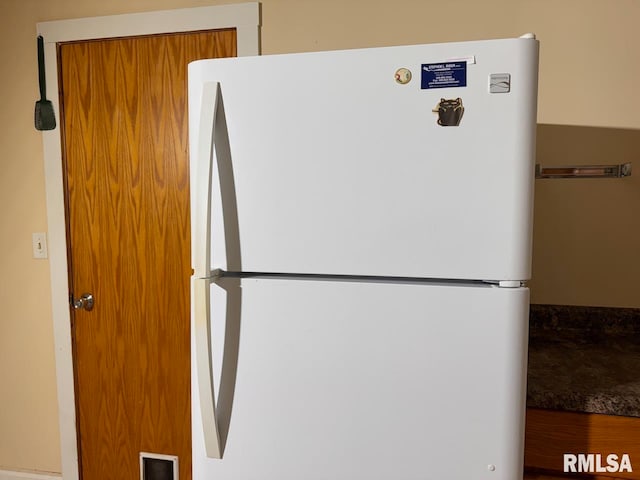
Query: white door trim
{"type": "Point", "coordinates": [245, 17]}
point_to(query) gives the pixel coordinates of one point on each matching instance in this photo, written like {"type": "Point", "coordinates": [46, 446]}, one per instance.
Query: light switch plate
{"type": "Point", "coordinates": [39, 245]}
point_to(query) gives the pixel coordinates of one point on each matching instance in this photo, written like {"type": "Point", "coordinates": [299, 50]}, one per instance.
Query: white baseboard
{"type": "Point", "coordinates": [9, 475]}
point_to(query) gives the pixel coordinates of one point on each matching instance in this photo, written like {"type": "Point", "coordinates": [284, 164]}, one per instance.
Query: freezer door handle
{"type": "Point", "coordinates": [201, 210]}
{"type": "Point", "coordinates": [213, 160]}
{"type": "Point", "coordinates": [204, 366]}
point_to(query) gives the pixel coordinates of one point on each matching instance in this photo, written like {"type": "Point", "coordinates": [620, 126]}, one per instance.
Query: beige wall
{"type": "Point", "coordinates": [587, 234]}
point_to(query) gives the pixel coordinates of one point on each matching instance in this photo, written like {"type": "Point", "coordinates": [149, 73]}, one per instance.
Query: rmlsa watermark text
{"type": "Point", "coordinates": [596, 463]}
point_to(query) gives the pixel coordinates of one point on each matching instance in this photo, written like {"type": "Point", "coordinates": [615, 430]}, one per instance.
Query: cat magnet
{"type": "Point", "coordinates": [449, 112]}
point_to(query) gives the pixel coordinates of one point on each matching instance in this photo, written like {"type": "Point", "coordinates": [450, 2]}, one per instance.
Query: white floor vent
{"type": "Point", "coordinates": [154, 466]}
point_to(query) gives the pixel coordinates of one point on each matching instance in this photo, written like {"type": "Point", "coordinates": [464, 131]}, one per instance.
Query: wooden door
{"type": "Point", "coordinates": [125, 138]}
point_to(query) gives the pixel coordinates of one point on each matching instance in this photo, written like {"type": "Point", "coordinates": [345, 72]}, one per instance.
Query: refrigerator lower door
{"type": "Point", "coordinates": [365, 381]}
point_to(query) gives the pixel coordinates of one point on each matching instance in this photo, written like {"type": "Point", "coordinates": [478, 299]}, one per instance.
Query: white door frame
{"type": "Point", "coordinates": [245, 17]}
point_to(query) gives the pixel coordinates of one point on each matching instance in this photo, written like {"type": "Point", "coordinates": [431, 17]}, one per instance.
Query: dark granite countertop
{"type": "Point", "coordinates": [584, 359]}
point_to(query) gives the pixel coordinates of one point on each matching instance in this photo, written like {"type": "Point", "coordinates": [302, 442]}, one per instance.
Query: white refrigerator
{"type": "Point", "coordinates": [361, 238]}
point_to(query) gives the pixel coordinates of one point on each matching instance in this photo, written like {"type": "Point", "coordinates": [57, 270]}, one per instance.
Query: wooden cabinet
{"type": "Point", "coordinates": [550, 434]}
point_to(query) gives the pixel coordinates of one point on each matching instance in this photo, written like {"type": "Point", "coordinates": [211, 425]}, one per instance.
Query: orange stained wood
{"type": "Point", "coordinates": [125, 138]}
{"type": "Point", "coordinates": [550, 434]}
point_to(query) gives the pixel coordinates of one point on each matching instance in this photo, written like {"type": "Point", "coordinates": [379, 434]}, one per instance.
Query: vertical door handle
{"type": "Point", "coordinates": [85, 302]}
{"type": "Point", "coordinates": [204, 366]}
{"type": "Point", "coordinates": [202, 267]}
{"type": "Point", "coordinates": [203, 164]}
{"type": "Point", "coordinates": [212, 153]}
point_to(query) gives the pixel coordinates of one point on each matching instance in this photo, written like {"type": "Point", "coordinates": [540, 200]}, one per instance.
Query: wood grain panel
{"type": "Point", "coordinates": [125, 138]}
{"type": "Point", "coordinates": [550, 434]}
{"type": "Point", "coordinates": [529, 475]}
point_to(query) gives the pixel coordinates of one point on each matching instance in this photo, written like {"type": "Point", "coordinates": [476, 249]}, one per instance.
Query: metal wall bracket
{"type": "Point", "coordinates": [585, 171]}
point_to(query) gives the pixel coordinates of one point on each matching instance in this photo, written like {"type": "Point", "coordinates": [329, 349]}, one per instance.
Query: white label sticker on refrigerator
{"type": "Point", "coordinates": [444, 75]}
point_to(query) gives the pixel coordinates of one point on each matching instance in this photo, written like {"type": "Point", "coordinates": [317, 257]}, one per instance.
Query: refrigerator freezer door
{"type": "Point", "coordinates": [337, 168]}
{"type": "Point", "coordinates": [366, 381]}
